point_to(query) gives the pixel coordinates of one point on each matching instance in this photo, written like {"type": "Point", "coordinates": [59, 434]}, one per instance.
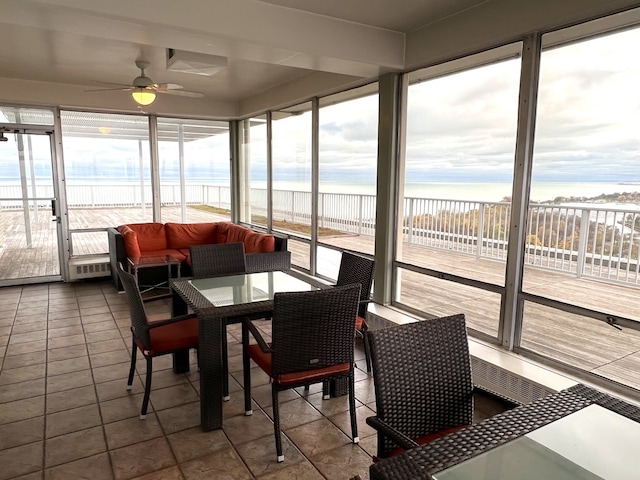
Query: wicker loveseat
{"type": "Point", "coordinates": [144, 239]}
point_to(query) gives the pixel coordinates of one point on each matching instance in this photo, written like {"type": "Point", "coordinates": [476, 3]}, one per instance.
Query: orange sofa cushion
{"type": "Point", "coordinates": [184, 235]}
{"type": "Point", "coordinates": [130, 242]}
{"type": "Point", "coordinates": [151, 236]}
{"type": "Point", "coordinates": [255, 242]}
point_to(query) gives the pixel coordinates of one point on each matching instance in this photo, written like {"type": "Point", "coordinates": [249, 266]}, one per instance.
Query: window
{"type": "Point", "coordinates": [348, 151]}
{"type": "Point", "coordinates": [457, 184]}
{"type": "Point", "coordinates": [254, 171]}
{"type": "Point", "coordinates": [194, 171]}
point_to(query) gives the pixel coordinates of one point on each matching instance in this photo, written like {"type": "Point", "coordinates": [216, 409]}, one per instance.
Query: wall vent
{"type": "Point", "coordinates": [83, 268]}
{"type": "Point", "coordinates": [506, 384]}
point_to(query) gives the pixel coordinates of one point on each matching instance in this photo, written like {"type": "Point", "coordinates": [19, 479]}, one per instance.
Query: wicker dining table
{"type": "Point", "coordinates": [219, 300]}
{"type": "Point", "coordinates": [466, 453]}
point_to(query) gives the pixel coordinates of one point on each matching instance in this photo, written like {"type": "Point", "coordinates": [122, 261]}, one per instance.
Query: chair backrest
{"type": "Point", "coordinates": [268, 261]}
{"type": "Point", "coordinates": [357, 269]}
{"type": "Point", "coordinates": [313, 329]}
{"type": "Point", "coordinates": [422, 377]}
{"type": "Point", "coordinates": [217, 259]}
{"type": "Point", "coordinates": [139, 323]}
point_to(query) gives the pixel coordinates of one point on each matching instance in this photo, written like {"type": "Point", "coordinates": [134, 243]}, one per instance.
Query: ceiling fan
{"type": "Point", "coordinates": [144, 90]}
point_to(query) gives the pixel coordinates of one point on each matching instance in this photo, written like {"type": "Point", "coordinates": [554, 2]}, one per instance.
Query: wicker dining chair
{"type": "Point", "coordinates": [160, 337]}
{"type": "Point", "coordinates": [214, 260]}
{"type": "Point", "coordinates": [217, 259]}
{"type": "Point", "coordinates": [358, 269]}
{"type": "Point", "coordinates": [423, 384]}
{"type": "Point", "coordinates": [302, 352]}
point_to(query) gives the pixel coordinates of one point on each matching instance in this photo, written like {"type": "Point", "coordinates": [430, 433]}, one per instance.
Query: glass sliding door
{"type": "Point", "coordinates": [292, 179]}
{"type": "Point", "coordinates": [193, 158]}
{"type": "Point", "coordinates": [582, 267]}
{"type": "Point", "coordinates": [30, 228]}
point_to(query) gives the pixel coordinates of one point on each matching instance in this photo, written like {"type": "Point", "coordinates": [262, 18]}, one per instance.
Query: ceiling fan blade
{"type": "Point", "coordinates": [122, 89]}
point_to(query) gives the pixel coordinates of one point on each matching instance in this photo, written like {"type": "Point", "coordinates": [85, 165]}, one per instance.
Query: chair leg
{"type": "Point", "coordinates": [147, 388]}
{"type": "Point", "coordinates": [246, 372]}
{"type": "Point", "coordinates": [276, 423]}
{"type": "Point", "coordinates": [367, 350]}
{"type": "Point", "coordinates": [132, 368]}
{"type": "Point", "coordinates": [326, 395]}
{"type": "Point", "coordinates": [225, 367]}
{"type": "Point", "coordinates": [352, 408]}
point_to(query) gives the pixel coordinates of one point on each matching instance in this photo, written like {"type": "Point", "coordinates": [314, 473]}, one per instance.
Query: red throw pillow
{"type": "Point", "coordinates": [130, 242]}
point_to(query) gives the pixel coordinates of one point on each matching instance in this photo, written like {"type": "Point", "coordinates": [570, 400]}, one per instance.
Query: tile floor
{"type": "Point", "coordinates": [65, 412]}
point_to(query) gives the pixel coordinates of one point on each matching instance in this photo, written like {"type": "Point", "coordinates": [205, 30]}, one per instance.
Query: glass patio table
{"type": "Point", "coordinates": [217, 300]}
{"type": "Point", "coordinates": [577, 434]}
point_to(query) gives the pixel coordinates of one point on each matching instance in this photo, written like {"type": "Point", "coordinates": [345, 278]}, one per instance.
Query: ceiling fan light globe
{"type": "Point", "coordinates": [143, 96]}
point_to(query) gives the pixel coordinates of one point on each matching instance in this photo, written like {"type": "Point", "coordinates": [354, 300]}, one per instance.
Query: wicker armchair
{"type": "Point", "coordinates": [217, 259]}
{"type": "Point", "coordinates": [268, 262]}
{"type": "Point", "coordinates": [423, 385]}
{"type": "Point", "coordinates": [312, 340]}
{"type": "Point", "coordinates": [214, 260]}
{"type": "Point", "coordinates": [358, 269]}
{"type": "Point", "coordinates": [154, 339]}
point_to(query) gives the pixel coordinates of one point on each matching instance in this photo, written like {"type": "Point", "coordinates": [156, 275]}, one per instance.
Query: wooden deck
{"type": "Point", "coordinates": [582, 342]}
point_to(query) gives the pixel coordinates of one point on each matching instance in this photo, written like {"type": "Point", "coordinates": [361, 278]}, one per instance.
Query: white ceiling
{"type": "Point", "coordinates": [268, 44]}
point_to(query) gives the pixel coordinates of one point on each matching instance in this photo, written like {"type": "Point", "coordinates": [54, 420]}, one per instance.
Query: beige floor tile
{"type": "Point", "coordinates": [121, 408]}
{"type": "Point", "coordinates": [296, 412]}
{"type": "Point", "coordinates": [261, 458]}
{"type": "Point", "coordinates": [106, 346]}
{"type": "Point", "coordinates": [63, 322]}
{"type": "Point", "coordinates": [67, 399]}
{"type": "Point", "coordinates": [20, 460]}
{"type": "Point", "coordinates": [29, 327]}
{"type": "Point", "coordinates": [343, 421]}
{"type": "Point", "coordinates": [95, 318]}
{"type": "Point", "coordinates": [67, 381]}
{"type": "Point", "coordinates": [36, 336]}
{"type": "Point", "coordinates": [56, 354]}
{"type": "Point", "coordinates": [73, 446]}
{"type": "Point", "coordinates": [17, 349]}
{"type": "Point", "coordinates": [141, 458]}
{"type": "Point", "coordinates": [100, 326]}
{"type": "Point", "coordinates": [65, 331]}
{"type": "Point", "coordinates": [109, 358]}
{"type": "Point", "coordinates": [68, 341]}
{"type": "Point", "coordinates": [72, 420]}
{"type": "Point", "coordinates": [21, 409]}
{"type": "Point", "coordinates": [111, 372]}
{"type": "Point", "coordinates": [303, 471]}
{"type": "Point", "coordinates": [194, 443]}
{"type": "Point", "coordinates": [241, 428]}
{"type": "Point", "coordinates": [221, 464]}
{"type": "Point", "coordinates": [65, 314]}
{"type": "Point", "coordinates": [17, 391]}
{"type": "Point", "coordinates": [96, 467]}
{"type": "Point", "coordinates": [21, 433]}
{"type": "Point", "coordinates": [25, 359]}
{"type": "Point", "coordinates": [171, 473]}
{"type": "Point", "coordinates": [262, 395]}
{"type": "Point", "coordinates": [329, 406]}
{"type": "Point", "coordinates": [69, 365]}
{"type": "Point", "coordinates": [101, 335]}
{"type": "Point", "coordinates": [173, 396]}
{"type": "Point", "coordinates": [317, 437]}
{"type": "Point", "coordinates": [118, 388]}
{"type": "Point", "coordinates": [180, 418]}
{"type": "Point", "coordinates": [132, 430]}
{"type": "Point", "coordinates": [343, 462]}
{"type": "Point", "coordinates": [22, 374]}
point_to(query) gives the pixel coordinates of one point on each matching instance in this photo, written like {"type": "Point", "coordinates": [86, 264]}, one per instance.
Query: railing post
{"type": "Point", "coordinates": [480, 232]}
{"type": "Point", "coordinates": [585, 220]}
{"type": "Point", "coordinates": [321, 212]}
{"type": "Point", "coordinates": [360, 212]}
{"type": "Point", "coordinates": [410, 220]}
{"type": "Point", "coordinates": [293, 209]}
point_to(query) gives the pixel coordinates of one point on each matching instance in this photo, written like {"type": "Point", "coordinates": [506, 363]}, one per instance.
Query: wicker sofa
{"type": "Point", "coordinates": [132, 241]}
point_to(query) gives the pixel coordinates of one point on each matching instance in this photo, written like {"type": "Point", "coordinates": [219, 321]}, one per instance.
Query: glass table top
{"type": "Point", "coordinates": [250, 287]}
{"type": "Point", "coordinates": [592, 443]}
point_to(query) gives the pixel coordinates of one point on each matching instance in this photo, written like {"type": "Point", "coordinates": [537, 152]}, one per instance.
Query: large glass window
{"type": "Point", "coordinates": [194, 171]}
{"type": "Point", "coordinates": [291, 205]}
{"type": "Point", "coordinates": [457, 184]}
{"type": "Point", "coordinates": [348, 150]}
{"type": "Point", "coordinates": [254, 171]}
{"type": "Point", "coordinates": [107, 170]}
{"type": "Point", "coordinates": [584, 214]}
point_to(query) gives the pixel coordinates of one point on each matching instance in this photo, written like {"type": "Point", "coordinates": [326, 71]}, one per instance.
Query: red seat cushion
{"type": "Point", "coordinates": [263, 360]}
{"type": "Point", "coordinates": [173, 336]}
{"type": "Point", "coordinates": [183, 235]}
{"type": "Point", "coordinates": [360, 322]}
{"type": "Point", "coordinates": [429, 438]}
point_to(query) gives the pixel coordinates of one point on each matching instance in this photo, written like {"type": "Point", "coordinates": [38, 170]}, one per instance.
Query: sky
{"type": "Point", "coordinates": [460, 128]}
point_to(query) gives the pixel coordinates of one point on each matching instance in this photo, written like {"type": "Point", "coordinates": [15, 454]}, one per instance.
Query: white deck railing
{"type": "Point", "coordinates": [583, 240]}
